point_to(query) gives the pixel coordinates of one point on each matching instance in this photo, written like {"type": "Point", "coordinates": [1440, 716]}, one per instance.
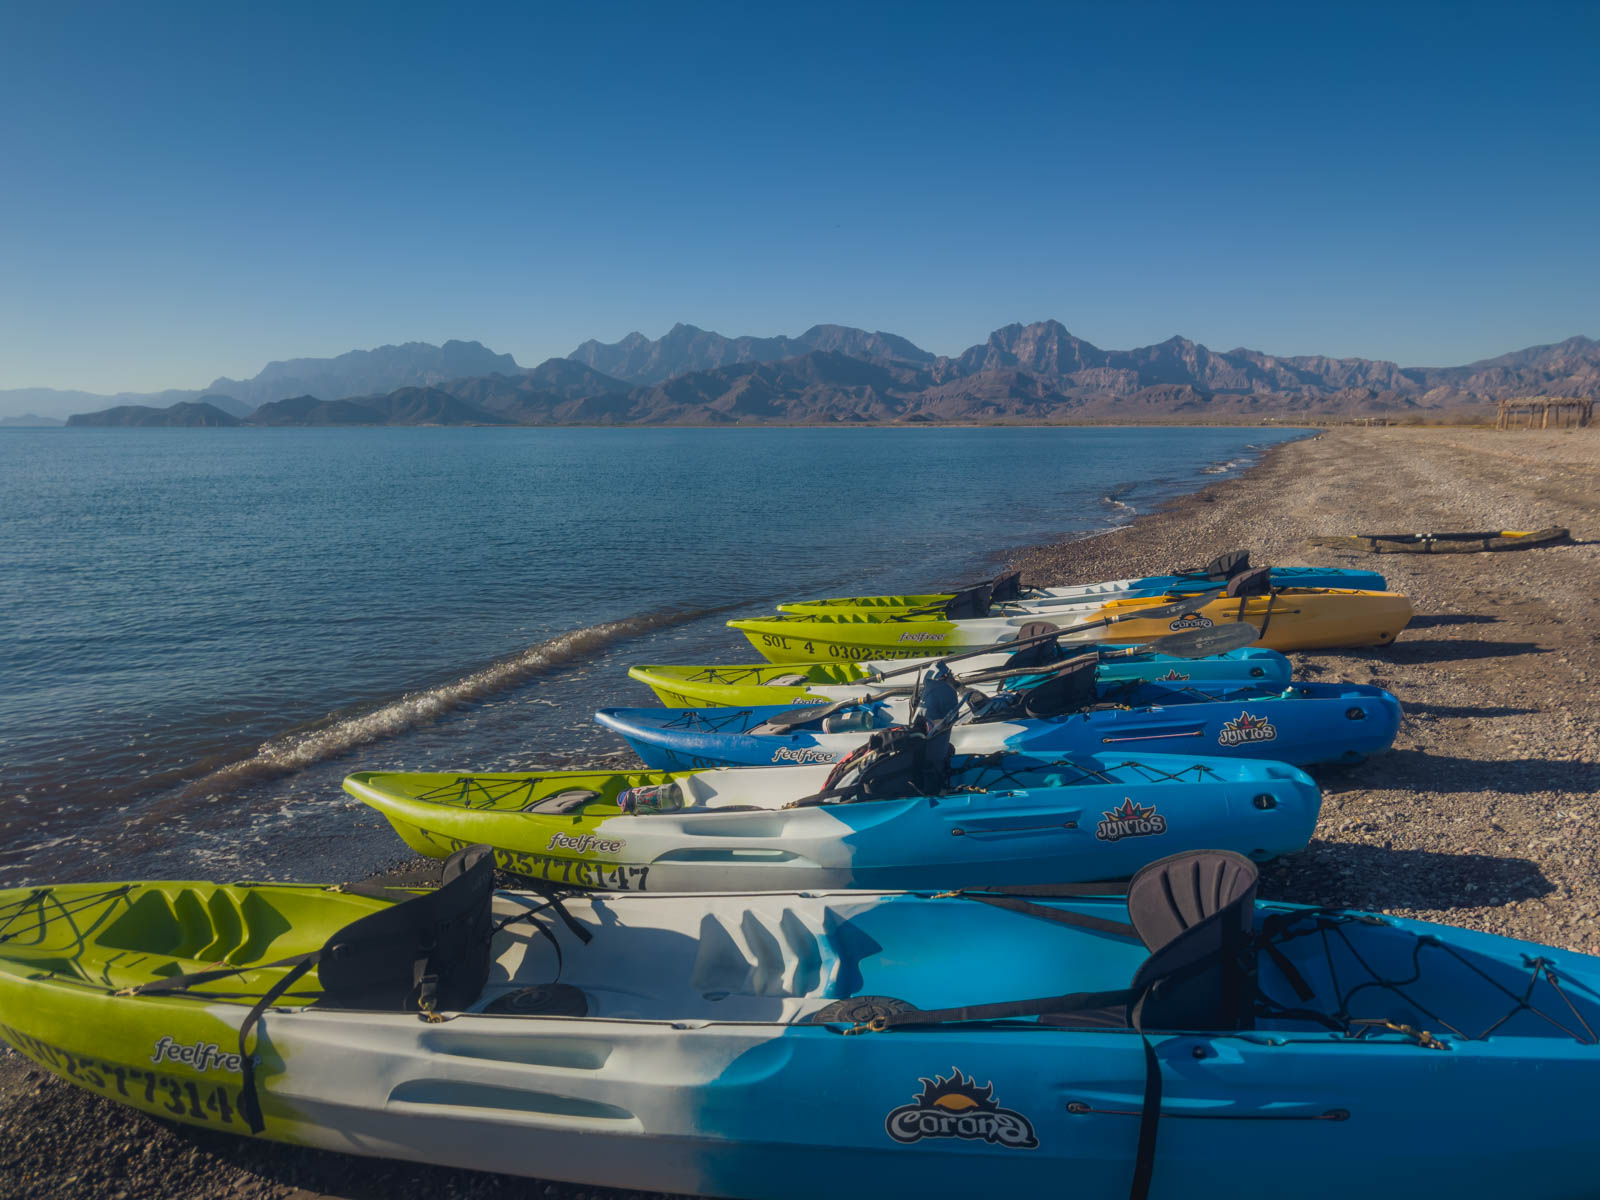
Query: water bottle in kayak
{"type": "Point", "coordinates": [660, 798]}
{"type": "Point", "coordinates": [849, 721]}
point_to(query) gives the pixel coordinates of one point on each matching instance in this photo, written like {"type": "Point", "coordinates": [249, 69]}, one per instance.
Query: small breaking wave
{"type": "Point", "coordinates": [1222, 468]}
{"type": "Point", "coordinates": [1114, 498]}
{"type": "Point", "coordinates": [297, 750]}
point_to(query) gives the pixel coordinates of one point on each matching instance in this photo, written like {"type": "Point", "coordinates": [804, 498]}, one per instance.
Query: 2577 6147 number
{"type": "Point", "coordinates": [155, 1091]}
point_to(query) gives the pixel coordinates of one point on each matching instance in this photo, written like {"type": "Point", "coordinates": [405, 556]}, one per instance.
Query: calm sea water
{"type": "Point", "coordinates": [202, 631]}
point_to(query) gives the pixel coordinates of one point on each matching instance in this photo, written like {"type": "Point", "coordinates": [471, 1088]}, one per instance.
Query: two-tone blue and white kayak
{"type": "Point", "coordinates": [1006, 818]}
{"type": "Point", "coordinates": [696, 1043]}
{"type": "Point", "coordinates": [1303, 723]}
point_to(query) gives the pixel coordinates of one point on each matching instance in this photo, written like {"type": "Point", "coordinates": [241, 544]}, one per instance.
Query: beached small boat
{"type": "Point", "coordinates": [1166, 1038]}
{"type": "Point", "coordinates": [901, 818]}
{"type": "Point", "coordinates": [1290, 619]}
{"type": "Point", "coordinates": [1304, 723]}
{"type": "Point", "coordinates": [1006, 594]}
{"type": "Point", "coordinates": [680, 686]}
{"type": "Point", "coordinates": [1448, 543]}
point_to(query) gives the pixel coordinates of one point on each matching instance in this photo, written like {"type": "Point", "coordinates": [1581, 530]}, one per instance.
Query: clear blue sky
{"type": "Point", "coordinates": [192, 189]}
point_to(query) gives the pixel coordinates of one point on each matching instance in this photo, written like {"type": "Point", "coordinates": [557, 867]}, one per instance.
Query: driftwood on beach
{"type": "Point", "coordinates": [1447, 543]}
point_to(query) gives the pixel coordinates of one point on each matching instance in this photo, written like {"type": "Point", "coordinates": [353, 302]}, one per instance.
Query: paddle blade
{"type": "Point", "coordinates": [1198, 643]}
{"type": "Point", "coordinates": [805, 713]}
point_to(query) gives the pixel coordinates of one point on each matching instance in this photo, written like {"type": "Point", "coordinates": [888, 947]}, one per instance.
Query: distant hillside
{"type": "Point", "coordinates": [54, 403]}
{"type": "Point", "coordinates": [686, 348]}
{"type": "Point", "coordinates": [30, 421]}
{"type": "Point", "coordinates": [184, 413]}
{"type": "Point", "coordinates": [227, 404]}
{"type": "Point", "coordinates": [835, 374]}
{"type": "Point", "coordinates": [367, 372]}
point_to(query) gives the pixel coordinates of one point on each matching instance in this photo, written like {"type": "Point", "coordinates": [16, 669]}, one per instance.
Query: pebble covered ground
{"type": "Point", "coordinates": [1484, 815]}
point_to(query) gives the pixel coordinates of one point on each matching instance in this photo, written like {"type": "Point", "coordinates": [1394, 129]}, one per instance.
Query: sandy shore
{"type": "Point", "coordinates": [1484, 815]}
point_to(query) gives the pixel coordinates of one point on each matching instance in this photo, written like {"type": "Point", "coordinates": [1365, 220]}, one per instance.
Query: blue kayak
{"type": "Point", "coordinates": [1303, 723]}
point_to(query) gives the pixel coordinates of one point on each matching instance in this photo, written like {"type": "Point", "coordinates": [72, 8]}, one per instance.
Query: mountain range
{"type": "Point", "coordinates": [839, 374]}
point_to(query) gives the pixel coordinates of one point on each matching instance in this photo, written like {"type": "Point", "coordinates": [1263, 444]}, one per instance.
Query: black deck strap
{"type": "Point", "coordinates": [249, 1102]}
{"type": "Point", "coordinates": [1061, 916]}
{"type": "Point", "coordinates": [1063, 891]}
{"type": "Point", "coordinates": [1001, 1011]}
{"type": "Point", "coordinates": [1144, 1160]}
{"type": "Point", "coordinates": [182, 983]}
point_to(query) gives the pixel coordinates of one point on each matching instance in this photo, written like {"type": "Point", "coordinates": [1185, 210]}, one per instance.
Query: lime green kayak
{"type": "Point", "coordinates": [688, 686]}
{"type": "Point", "coordinates": [71, 952]}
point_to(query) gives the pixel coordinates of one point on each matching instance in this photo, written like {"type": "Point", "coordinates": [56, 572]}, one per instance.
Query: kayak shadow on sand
{"type": "Point", "coordinates": [1429, 620]}
{"type": "Point", "coordinates": [1447, 773]}
{"type": "Point", "coordinates": [1354, 875]}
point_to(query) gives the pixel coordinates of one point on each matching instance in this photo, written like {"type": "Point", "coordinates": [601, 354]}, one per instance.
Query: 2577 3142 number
{"type": "Point", "coordinates": [184, 1099]}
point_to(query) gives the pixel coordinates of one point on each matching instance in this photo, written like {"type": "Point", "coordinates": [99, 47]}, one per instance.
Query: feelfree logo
{"type": "Point", "coordinates": [958, 1107]}
{"type": "Point", "coordinates": [800, 755]}
{"type": "Point", "coordinates": [582, 843]}
{"type": "Point", "coordinates": [202, 1056]}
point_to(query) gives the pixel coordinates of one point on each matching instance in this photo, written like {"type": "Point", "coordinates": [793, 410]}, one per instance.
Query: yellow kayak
{"type": "Point", "coordinates": [1288, 619]}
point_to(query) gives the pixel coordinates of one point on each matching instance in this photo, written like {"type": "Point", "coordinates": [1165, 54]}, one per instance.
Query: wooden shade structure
{"type": "Point", "coordinates": [1541, 412]}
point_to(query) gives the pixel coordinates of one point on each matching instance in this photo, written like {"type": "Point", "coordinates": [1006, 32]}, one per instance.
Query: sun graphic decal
{"type": "Point", "coordinates": [959, 1107]}
{"type": "Point", "coordinates": [1130, 820]}
{"type": "Point", "coordinates": [1245, 728]}
{"type": "Point", "coordinates": [1171, 676]}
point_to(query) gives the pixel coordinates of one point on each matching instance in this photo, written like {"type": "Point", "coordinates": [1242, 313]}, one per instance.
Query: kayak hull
{"type": "Point", "coordinates": [1304, 724]}
{"type": "Point", "coordinates": [1027, 820]}
{"type": "Point", "coordinates": [758, 683]}
{"type": "Point", "coordinates": [1293, 620]}
{"type": "Point", "coordinates": [687, 1077]}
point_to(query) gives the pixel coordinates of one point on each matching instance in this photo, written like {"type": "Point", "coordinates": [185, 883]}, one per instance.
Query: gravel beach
{"type": "Point", "coordinates": [1484, 815]}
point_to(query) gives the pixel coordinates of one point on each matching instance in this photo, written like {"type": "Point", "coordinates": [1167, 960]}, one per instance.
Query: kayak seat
{"type": "Point", "coordinates": [1006, 587]}
{"type": "Point", "coordinates": [1254, 582]}
{"type": "Point", "coordinates": [1193, 912]}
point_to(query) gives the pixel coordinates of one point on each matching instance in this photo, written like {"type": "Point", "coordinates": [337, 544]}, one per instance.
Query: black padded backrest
{"type": "Point", "coordinates": [1037, 655]}
{"type": "Point", "coordinates": [1036, 629]}
{"type": "Point", "coordinates": [903, 760]}
{"type": "Point", "coordinates": [1226, 566]}
{"type": "Point", "coordinates": [1255, 582]}
{"type": "Point", "coordinates": [969, 603]}
{"type": "Point", "coordinates": [380, 961]}
{"type": "Point", "coordinates": [1194, 912]}
{"type": "Point", "coordinates": [1068, 691]}
{"type": "Point", "coordinates": [1006, 587]}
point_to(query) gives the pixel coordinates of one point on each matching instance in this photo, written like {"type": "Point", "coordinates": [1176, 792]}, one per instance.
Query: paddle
{"type": "Point", "coordinates": [1158, 612]}
{"type": "Point", "coordinates": [1189, 643]}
